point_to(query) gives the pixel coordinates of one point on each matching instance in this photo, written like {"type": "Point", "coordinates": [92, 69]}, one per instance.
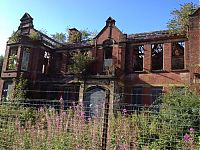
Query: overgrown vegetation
{"type": "Point", "coordinates": [180, 21]}
{"type": "Point", "coordinates": [175, 126]}
{"type": "Point", "coordinates": [12, 62]}
{"type": "Point", "coordinates": [179, 112]}
{"type": "Point", "coordinates": [77, 37]}
{"type": "Point", "coordinates": [12, 108]}
{"type": "Point", "coordinates": [14, 38]}
{"type": "Point", "coordinates": [80, 63]}
{"type": "Point", "coordinates": [18, 92]}
{"type": "Point", "coordinates": [34, 36]}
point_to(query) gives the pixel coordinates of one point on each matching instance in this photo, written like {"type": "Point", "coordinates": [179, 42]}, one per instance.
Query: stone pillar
{"type": "Point", "coordinates": [81, 92]}
{"type": "Point", "coordinates": [112, 96]}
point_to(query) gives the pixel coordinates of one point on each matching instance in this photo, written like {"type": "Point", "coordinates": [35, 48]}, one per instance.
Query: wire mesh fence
{"type": "Point", "coordinates": [60, 124]}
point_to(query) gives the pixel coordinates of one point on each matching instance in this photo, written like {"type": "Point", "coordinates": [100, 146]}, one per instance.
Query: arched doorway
{"type": "Point", "coordinates": [94, 102]}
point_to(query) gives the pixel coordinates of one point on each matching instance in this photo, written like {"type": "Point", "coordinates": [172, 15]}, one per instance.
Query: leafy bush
{"type": "Point", "coordinates": [179, 111]}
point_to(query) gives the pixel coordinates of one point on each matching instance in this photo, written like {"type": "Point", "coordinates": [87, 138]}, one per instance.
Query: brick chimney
{"type": "Point", "coordinates": [74, 36]}
{"type": "Point", "coordinates": [110, 21]}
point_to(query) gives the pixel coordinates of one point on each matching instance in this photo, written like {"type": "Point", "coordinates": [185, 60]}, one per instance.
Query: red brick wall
{"type": "Point", "coordinates": [103, 36]}
{"type": "Point", "coordinates": [99, 60]}
{"type": "Point", "coordinates": [119, 56]}
{"type": "Point", "coordinates": [64, 61]}
{"type": "Point", "coordinates": [118, 51]}
{"type": "Point", "coordinates": [147, 95]}
{"type": "Point", "coordinates": [187, 55]}
{"type": "Point", "coordinates": [167, 57]}
{"type": "Point", "coordinates": [194, 45]}
{"type": "Point", "coordinates": [173, 78]}
{"type": "Point", "coordinates": [129, 59]}
{"type": "Point", "coordinates": [116, 35]}
{"type": "Point", "coordinates": [147, 57]}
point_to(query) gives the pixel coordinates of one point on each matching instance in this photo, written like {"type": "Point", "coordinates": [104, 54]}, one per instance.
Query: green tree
{"type": "Point", "coordinates": [87, 35]}
{"type": "Point", "coordinates": [80, 63]}
{"type": "Point", "coordinates": [180, 21]}
{"type": "Point", "coordinates": [60, 37]}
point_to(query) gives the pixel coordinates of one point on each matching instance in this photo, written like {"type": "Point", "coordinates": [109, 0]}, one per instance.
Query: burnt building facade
{"type": "Point", "coordinates": [134, 68]}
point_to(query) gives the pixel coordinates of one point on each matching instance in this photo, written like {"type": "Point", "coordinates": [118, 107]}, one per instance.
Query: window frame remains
{"type": "Point", "coordinates": [138, 58]}
{"type": "Point", "coordinates": [108, 60]}
{"type": "Point", "coordinates": [156, 92]}
{"type": "Point", "coordinates": [46, 62]}
{"type": "Point", "coordinates": [25, 59]}
{"type": "Point", "coordinates": [157, 53]}
{"type": "Point", "coordinates": [12, 58]}
{"type": "Point", "coordinates": [178, 55]}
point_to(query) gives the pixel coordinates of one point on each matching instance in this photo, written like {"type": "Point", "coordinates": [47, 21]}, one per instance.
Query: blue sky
{"type": "Point", "coordinates": [132, 16]}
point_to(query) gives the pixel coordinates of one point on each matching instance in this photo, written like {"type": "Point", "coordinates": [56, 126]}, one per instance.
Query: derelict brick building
{"type": "Point", "coordinates": [134, 68]}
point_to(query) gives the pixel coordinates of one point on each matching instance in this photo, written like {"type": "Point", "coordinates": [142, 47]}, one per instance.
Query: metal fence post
{"type": "Point", "coordinates": [105, 121]}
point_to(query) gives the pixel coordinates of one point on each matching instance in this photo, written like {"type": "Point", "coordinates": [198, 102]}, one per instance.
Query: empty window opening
{"type": "Point", "coordinates": [71, 95]}
{"type": "Point", "coordinates": [7, 88]}
{"type": "Point", "coordinates": [108, 62]}
{"type": "Point", "coordinates": [25, 59]}
{"type": "Point", "coordinates": [108, 53]}
{"type": "Point", "coordinates": [138, 58]}
{"type": "Point", "coordinates": [137, 98]}
{"type": "Point", "coordinates": [46, 62]}
{"type": "Point", "coordinates": [12, 59]}
{"type": "Point", "coordinates": [178, 55]}
{"type": "Point", "coordinates": [156, 93]}
{"type": "Point", "coordinates": [157, 56]}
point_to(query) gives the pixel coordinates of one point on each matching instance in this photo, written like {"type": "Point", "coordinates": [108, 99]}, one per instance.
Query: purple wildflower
{"type": "Point", "coordinates": [124, 111]}
{"type": "Point", "coordinates": [89, 119]}
{"type": "Point", "coordinates": [186, 138]}
{"type": "Point", "coordinates": [191, 129]}
{"type": "Point", "coordinates": [73, 103]}
{"type": "Point", "coordinates": [61, 103]}
{"type": "Point", "coordinates": [123, 147]}
{"type": "Point", "coordinates": [82, 115]}
{"type": "Point", "coordinates": [81, 103]}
